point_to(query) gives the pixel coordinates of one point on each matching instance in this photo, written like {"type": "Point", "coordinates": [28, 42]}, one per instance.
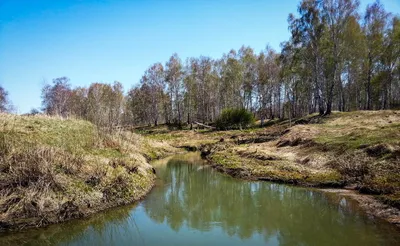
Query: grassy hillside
{"type": "Point", "coordinates": [52, 169]}
{"type": "Point", "coordinates": [358, 149]}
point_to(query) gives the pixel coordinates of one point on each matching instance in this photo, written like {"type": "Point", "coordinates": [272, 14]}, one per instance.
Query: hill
{"type": "Point", "coordinates": [54, 169]}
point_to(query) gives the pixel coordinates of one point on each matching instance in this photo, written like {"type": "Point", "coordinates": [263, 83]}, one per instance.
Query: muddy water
{"type": "Point", "coordinates": [194, 205]}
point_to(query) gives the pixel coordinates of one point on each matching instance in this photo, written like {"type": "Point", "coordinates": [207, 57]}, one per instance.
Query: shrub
{"type": "Point", "coordinates": [234, 119]}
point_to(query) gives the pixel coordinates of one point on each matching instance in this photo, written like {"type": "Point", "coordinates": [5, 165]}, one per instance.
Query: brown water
{"type": "Point", "coordinates": [194, 205]}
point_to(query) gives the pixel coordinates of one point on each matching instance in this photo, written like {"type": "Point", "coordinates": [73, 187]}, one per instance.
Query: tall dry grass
{"type": "Point", "coordinates": [54, 169]}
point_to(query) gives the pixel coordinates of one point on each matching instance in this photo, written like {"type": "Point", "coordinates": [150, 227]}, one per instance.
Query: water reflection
{"type": "Point", "coordinates": [66, 233]}
{"type": "Point", "coordinates": [193, 205]}
{"type": "Point", "coordinates": [203, 200]}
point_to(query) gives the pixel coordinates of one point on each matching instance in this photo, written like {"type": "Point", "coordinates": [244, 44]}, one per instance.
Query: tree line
{"type": "Point", "coordinates": [101, 103]}
{"type": "Point", "coordinates": [336, 59]}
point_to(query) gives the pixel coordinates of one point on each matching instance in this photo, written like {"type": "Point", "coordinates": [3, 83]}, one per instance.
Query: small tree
{"type": "Point", "coordinates": [4, 101]}
{"type": "Point", "coordinates": [55, 97]}
{"type": "Point", "coordinates": [234, 119]}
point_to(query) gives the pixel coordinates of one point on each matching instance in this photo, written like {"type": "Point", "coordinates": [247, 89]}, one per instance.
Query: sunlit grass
{"type": "Point", "coordinates": [55, 169]}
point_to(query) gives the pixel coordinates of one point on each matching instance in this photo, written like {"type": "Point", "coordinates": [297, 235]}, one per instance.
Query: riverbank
{"type": "Point", "coordinates": [191, 202]}
{"type": "Point", "coordinates": [54, 169]}
{"type": "Point", "coordinates": [356, 150]}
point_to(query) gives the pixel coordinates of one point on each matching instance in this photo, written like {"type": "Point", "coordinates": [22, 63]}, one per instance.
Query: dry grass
{"type": "Point", "coordinates": [54, 169]}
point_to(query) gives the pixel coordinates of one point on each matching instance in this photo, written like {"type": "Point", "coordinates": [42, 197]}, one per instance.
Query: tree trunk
{"type": "Point", "coordinates": [368, 94]}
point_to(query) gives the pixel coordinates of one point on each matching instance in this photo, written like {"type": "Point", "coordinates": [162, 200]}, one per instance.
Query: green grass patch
{"type": "Point", "coordinates": [360, 137]}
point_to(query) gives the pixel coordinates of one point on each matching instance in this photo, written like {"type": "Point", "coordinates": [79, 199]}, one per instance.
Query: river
{"type": "Point", "coordinates": [192, 204]}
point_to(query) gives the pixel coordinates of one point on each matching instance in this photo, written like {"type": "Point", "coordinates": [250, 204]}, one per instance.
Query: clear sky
{"type": "Point", "coordinates": [107, 40]}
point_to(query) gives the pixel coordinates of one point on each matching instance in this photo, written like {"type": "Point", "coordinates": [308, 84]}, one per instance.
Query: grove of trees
{"type": "Point", "coordinates": [101, 103]}
{"type": "Point", "coordinates": [336, 59]}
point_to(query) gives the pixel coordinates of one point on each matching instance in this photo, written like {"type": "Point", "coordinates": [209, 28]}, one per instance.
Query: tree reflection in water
{"type": "Point", "coordinates": [202, 199]}
{"type": "Point", "coordinates": [90, 231]}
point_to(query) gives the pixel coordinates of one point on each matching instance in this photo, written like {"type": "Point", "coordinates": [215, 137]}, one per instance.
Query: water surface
{"type": "Point", "coordinates": [194, 205]}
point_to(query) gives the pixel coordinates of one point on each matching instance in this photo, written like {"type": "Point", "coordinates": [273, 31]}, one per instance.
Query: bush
{"type": "Point", "coordinates": [234, 119]}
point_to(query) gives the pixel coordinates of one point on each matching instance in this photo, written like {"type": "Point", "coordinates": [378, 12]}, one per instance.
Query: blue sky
{"type": "Point", "coordinates": [107, 40]}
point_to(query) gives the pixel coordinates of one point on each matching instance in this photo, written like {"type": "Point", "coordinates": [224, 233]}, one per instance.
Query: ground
{"type": "Point", "coordinates": [54, 169]}
{"type": "Point", "coordinates": [358, 150]}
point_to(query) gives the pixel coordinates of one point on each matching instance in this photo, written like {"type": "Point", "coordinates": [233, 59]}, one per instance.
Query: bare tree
{"type": "Point", "coordinates": [5, 104]}
{"type": "Point", "coordinates": [174, 79]}
{"type": "Point", "coordinates": [55, 97]}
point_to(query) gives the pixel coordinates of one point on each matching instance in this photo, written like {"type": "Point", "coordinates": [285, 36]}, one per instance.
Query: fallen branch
{"type": "Point", "coordinates": [203, 125]}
